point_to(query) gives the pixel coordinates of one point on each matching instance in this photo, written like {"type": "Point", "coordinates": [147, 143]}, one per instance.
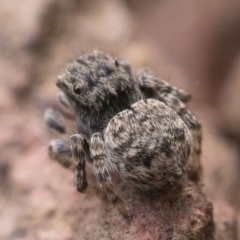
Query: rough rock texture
{"type": "Point", "coordinates": [38, 199]}
{"type": "Point", "coordinates": [168, 216]}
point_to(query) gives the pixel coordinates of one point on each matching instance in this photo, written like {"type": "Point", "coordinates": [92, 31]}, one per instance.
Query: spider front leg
{"type": "Point", "coordinates": [64, 100]}
{"type": "Point", "coordinates": [60, 151]}
{"type": "Point", "coordinates": [101, 170]}
{"type": "Point", "coordinates": [153, 87]}
{"type": "Point", "coordinates": [80, 153]}
{"type": "Point", "coordinates": [55, 120]}
{"type": "Point", "coordinates": [67, 106]}
{"type": "Point", "coordinates": [195, 128]}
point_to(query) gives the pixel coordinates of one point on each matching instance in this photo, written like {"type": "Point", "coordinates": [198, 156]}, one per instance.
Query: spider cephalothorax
{"type": "Point", "coordinates": [93, 83]}
{"type": "Point", "coordinates": [140, 128]}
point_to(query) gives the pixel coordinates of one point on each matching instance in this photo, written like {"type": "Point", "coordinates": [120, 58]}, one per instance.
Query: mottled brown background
{"type": "Point", "coordinates": [192, 44]}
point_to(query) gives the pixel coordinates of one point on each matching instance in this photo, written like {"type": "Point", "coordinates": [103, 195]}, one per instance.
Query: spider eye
{"type": "Point", "coordinates": [76, 90]}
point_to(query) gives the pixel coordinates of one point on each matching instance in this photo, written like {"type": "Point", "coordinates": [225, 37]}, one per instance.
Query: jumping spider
{"type": "Point", "coordinates": [141, 129]}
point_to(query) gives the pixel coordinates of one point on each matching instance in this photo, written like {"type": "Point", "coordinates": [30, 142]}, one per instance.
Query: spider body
{"type": "Point", "coordinates": [141, 129]}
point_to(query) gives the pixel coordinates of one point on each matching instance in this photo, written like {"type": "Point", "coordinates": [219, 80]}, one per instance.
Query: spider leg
{"type": "Point", "coordinates": [60, 151]}
{"type": "Point", "coordinates": [80, 153]}
{"type": "Point", "coordinates": [193, 125]}
{"type": "Point", "coordinates": [153, 87]}
{"type": "Point", "coordinates": [64, 100]}
{"type": "Point", "coordinates": [101, 171]}
{"type": "Point", "coordinates": [55, 120]}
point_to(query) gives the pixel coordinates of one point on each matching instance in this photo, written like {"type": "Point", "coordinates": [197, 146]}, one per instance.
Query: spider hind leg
{"type": "Point", "coordinates": [153, 87]}
{"type": "Point", "coordinates": [194, 127]}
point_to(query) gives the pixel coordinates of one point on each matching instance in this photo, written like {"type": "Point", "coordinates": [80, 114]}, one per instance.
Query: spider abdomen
{"type": "Point", "coordinates": [149, 144]}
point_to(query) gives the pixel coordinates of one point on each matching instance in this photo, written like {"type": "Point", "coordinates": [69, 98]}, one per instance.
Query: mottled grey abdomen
{"type": "Point", "coordinates": [149, 144]}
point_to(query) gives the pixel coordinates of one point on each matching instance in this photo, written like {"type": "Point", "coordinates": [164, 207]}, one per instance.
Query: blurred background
{"type": "Point", "coordinates": [192, 44]}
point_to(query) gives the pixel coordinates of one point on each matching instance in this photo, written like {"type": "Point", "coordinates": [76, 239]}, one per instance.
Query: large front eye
{"type": "Point", "coordinates": [77, 90]}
